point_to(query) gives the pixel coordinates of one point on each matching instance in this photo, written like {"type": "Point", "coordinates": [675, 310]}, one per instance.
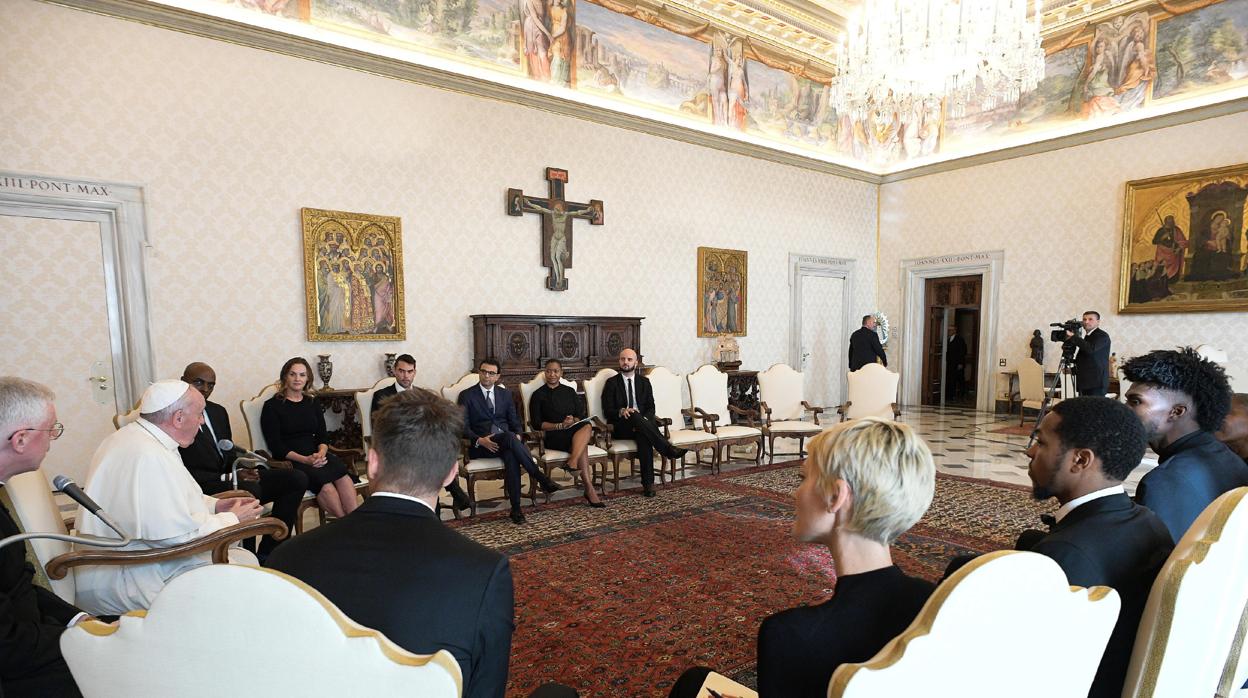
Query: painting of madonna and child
{"type": "Point", "coordinates": [353, 275]}
{"type": "Point", "coordinates": [1184, 246]}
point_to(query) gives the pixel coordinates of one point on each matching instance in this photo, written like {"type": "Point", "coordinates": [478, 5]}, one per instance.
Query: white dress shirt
{"type": "Point", "coordinates": [1070, 506]}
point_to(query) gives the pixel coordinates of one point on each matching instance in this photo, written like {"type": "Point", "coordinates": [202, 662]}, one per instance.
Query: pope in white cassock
{"type": "Point", "coordinates": [138, 478]}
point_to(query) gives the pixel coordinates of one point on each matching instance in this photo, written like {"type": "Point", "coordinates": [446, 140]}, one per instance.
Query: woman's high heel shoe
{"type": "Point", "coordinates": [597, 505]}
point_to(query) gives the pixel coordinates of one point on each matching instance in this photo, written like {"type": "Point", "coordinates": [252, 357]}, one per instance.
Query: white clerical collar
{"type": "Point", "coordinates": [1070, 506]}
{"type": "Point", "coordinates": [408, 497]}
{"type": "Point", "coordinates": [164, 439]}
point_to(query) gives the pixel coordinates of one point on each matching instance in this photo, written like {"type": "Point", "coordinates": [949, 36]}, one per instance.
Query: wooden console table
{"type": "Point", "coordinates": [743, 391]}
{"type": "Point", "coordinates": [349, 436]}
{"type": "Point", "coordinates": [523, 343]}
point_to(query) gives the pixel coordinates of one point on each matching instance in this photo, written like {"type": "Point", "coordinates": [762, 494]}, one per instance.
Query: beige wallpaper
{"type": "Point", "coordinates": [1058, 217]}
{"type": "Point", "coordinates": [230, 142]}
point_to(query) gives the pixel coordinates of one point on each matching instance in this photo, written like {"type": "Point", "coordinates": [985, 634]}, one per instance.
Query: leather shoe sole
{"type": "Point", "coordinates": [517, 518]}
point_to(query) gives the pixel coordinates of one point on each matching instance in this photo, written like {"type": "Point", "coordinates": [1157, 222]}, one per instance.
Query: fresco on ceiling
{"type": "Point", "coordinates": [1202, 50]}
{"type": "Point", "coordinates": [711, 77]}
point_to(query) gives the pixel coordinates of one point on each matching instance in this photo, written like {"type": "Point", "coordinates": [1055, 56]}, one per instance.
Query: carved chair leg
{"type": "Point", "coordinates": [758, 452]}
{"type": "Point", "coordinates": [472, 495]}
{"type": "Point", "coordinates": [771, 447]}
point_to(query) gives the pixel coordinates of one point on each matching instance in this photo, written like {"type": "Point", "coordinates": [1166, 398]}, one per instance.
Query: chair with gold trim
{"type": "Point", "coordinates": [669, 408]}
{"type": "Point", "coordinates": [781, 399]}
{"type": "Point", "coordinates": [252, 409]}
{"type": "Point", "coordinates": [474, 469]}
{"type": "Point", "coordinates": [364, 404]}
{"type": "Point", "coordinates": [617, 449]}
{"type": "Point", "coordinates": [185, 639]}
{"type": "Point", "coordinates": [871, 392]}
{"type": "Point", "coordinates": [708, 395]}
{"type": "Point", "coordinates": [38, 513]}
{"type": "Point", "coordinates": [1191, 640]}
{"type": "Point", "coordinates": [122, 419]}
{"type": "Point", "coordinates": [1006, 624]}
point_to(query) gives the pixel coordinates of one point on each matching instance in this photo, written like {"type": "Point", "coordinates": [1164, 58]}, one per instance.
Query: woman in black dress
{"type": "Point", "coordinates": [294, 428]}
{"type": "Point", "coordinates": [555, 407]}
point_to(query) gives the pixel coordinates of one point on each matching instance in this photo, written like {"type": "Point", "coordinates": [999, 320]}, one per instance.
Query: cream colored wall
{"type": "Point", "coordinates": [1058, 217]}
{"type": "Point", "coordinates": [229, 142]}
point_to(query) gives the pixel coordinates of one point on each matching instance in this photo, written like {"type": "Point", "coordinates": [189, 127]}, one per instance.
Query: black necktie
{"type": "Point", "coordinates": [632, 403]}
{"type": "Point", "coordinates": [1048, 520]}
{"type": "Point", "coordinates": [489, 400]}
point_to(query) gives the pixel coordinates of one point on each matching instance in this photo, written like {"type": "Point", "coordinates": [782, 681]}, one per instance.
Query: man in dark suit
{"type": "Point", "coordinates": [31, 617]}
{"type": "Point", "coordinates": [1234, 431]}
{"type": "Point", "coordinates": [1092, 359]}
{"type": "Point", "coordinates": [491, 422]}
{"type": "Point", "coordinates": [864, 345]}
{"type": "Point", "coordinates": [404, 376]}
{"type": "Point", "coordinates": [955, 364]}
{"type": "Point", "coordinates": [1182, 398]}
{"type": "Point", "coordinates": [628, 404]}
{"type": "Point", "coordinates": [392, 565]}
{"type": "Point", "coordinates": [212, 468]}
{"type": "Point", "coordinates": [1084, 449]}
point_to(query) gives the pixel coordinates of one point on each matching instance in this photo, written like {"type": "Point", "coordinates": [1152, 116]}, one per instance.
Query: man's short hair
{"type": "Point", "coordinates": [416, 437]}
{"type": "Point", "coordinates": [889, 470]}
{"type": "Point", "coordinates": [22, 403]}
{"type": "Point", "coordinates": [1093, 313]}
{"type": "Point", "coordinates": [1185, 371]}
{"type": "Point", "coordinates": [405, 358]}
{"type": "Point", "coordinates": [1106, 427]}
{"type": "Point", "coordinates": [865, 318]}
{"type": "Point", "coordinates": [489, 360]}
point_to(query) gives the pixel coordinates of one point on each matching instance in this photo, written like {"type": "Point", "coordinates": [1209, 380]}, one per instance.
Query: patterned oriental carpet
{"type": "Point", "coordinates": [619, 601]}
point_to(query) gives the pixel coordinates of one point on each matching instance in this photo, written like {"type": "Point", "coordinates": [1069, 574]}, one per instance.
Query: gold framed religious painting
{"type": "Point", "coordinates": [353, 276]}
{"type": "Point", "coordinates": [1183, 243]}
{"type": "Point", "coordinates": [723, 280]}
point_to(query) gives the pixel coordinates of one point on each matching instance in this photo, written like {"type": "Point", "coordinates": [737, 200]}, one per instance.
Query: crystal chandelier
{"type": "Point", "coordinates": [906, 52]}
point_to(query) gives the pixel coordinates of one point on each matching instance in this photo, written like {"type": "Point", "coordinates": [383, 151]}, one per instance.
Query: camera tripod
{"type": "Point", "coordinates": [1068, 355]}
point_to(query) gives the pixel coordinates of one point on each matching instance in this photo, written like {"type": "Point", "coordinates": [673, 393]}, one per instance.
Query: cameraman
{"type": "Point", "coordinates": [1092, 361]}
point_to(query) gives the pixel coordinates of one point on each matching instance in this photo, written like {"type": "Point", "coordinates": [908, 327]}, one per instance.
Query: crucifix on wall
{"type": "Point", "coordinates": [557, 214]}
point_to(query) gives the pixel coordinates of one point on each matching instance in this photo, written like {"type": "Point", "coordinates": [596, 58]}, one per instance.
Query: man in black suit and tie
{"type": "Point", "coordinates": [31, 617]}
{"type": "Point", "coordinates": [1092, 360]}
{"type": "Point", "coordinates": [1182, 398]}
{"type": "Point", "coordinates": [212, 468]}
{"type": "Point", "coordinates": [864, 345]}
{"type": "Point", "coordinates": [1084, 449]}
{"type": "Point", "coordinates": [955, 364]}
{"type": "Point", "coordinates": [628, 404]}
{"type": "Point", "coordinates": [404, 376]}
{"type": "Point", "coordinates": [491, 422]}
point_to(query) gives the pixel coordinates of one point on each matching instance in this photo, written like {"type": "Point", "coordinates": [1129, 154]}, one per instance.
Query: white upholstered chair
{"type": "Point", "coordinates": [121, 420]}
{"type": "Point", "coordinates": [549, 458]}
{"type": "Point", "coordinates": [617, 449]}
{"type": "Point", "coordinates": [1214, 354]}
{"type": "Point", "coordinates": [872, 392]}
{"type": "Point", "coordinates": [364, 404]}
{"type": "Point", "coordinates": [783, 403]}
{"type": "Point", "coordinates": [708, 395]}
{"type": "Point", "coordinates": [1030, 387]}
{"type": "Point", "coordinates": [984, 632]}
{"type": "Point", "coordinates": [185, 639]}
{"type": "Point", "coordinates": [1191, 640]}
{"type": "Point", "coordinates": [474, 469]}
{"type": "Point", "coordinates": [252, 408]}
{"type": "Point", "coordinates": [38, 513]}
{"type": "Point", "coordinates": [669, 408]}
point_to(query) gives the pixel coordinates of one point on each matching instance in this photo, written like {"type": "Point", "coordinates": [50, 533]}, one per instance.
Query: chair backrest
{"type": "Point", "coordinates": [989, 625]}
{"type": "Point", "coordinates": [121, 420]}
{"type": "Point", "coordinates": [322, 651]}
{"type": "Point", "coordinates": [1030, 380]}
{"type": "Point", "coordinates": [364, 401]}
{"type": "Point", "coordinates": [1214, 354]}
{"type": "Point", "coordinates": [529, 387]}
{"type": "Point", "coordinates": [782, 389]}
{"type": "Point", "coordinates": [593, 391]}
{"type": "Point", "coordinates": [1192, 635]}
{"type": "Point", "coordinates": [708, 391]}
{"type": "Point", "coordinates": [872, 392]}
{"type": "Point", "coordinates": [251, 409]}
{"type": "Point", "coordinates": [668, 401]}
{"type": "Point", "coordinates": [451, 392]}
{"type": "Point", "coordinates": [36, 509]}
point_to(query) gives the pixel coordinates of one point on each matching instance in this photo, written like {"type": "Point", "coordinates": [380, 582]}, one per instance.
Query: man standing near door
{"type": "Point", "coordinates": [864, 345]}
{"type": "Point", "coordinates": [1092, 361]}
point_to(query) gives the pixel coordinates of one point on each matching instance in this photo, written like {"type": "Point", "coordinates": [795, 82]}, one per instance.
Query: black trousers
{"type": "Point", "coordinates": [649, 439]}
{"type": "Point", "coordinates": [515, 455]}
{"type": "Point", "coordinates": [52, 680]}
{"type": "Point", "coordinates": [281, 486]}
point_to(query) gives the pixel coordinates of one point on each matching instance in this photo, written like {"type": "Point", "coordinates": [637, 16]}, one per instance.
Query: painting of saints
{"type": "Point", "coordinates": [337, 302]}
{"type": "Point", "coordinates": [361, 312]}
{"type": "Point", "coordinates": [738, 85]}
{"type": "Point", "coordinates": [1135, 67]}
{"type": "Point", "coordinates": [1170, 242]}
{"type": "Point", "coordinates": [708, 312]}
{"type": "Point", "coordinates": [717, 79]}
{"type": "Point", "coordinates": [721, 301]}
{"type": "Point", "coordinates": [536, 39]}
{"type": "Point", "coordinates": [733, 292]}
{"type": "Point", "coordinates": [1098, 97]}
{"type": "Point", "coordinates": [383, 300]}
{"type": "Point", "coordinates": [560, 44]}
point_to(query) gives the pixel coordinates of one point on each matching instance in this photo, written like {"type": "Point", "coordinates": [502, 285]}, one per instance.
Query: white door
{"type": "Point", "coordinates": [823, 347]}
{"type": "Point", "coordinates": [54, 313]}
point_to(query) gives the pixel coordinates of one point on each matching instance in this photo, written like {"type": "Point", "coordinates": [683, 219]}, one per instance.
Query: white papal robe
{"type": "Point", "coordinates": [138, 479]}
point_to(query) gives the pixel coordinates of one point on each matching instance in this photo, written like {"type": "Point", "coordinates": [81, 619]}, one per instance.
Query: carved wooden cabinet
{"type": "Point", "coordinates": [523, 343]}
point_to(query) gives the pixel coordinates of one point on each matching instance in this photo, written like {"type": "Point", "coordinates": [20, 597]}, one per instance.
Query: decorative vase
{"type": "Point", "coordinates": [325, 369]}
{"type": "Point", "coordinates": [390, 364]}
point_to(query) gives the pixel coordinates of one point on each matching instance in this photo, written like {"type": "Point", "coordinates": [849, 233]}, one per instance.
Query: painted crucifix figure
{"type": "Point", "coordinates": [557, 214]}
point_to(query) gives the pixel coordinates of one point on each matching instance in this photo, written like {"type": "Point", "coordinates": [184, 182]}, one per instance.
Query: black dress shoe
{"type": "Point", "coordinates": [517, 517]}
{"type": "Point", "coordinates": [647, 492]}
{"type": "Point", "coordinates": [550, 486]}
{"type": "Point", "coordinates": [678, 453]}
{"type": "Point", "coordinates": [459, 499]}
{"type": "Point", "coordinates": [597, 505]}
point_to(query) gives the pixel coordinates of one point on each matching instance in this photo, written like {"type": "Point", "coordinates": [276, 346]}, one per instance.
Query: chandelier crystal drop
{"type": "Point", "coordinates": [904, 53]}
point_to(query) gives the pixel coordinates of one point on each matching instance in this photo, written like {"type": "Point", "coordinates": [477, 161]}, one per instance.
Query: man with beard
{"type": "Point", "coordinates": [1182, 398]}
{"type": "Point", "coordinates": [1084, 449]}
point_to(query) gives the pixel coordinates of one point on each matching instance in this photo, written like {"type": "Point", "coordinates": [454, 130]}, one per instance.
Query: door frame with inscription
{"type": "Point", "coordinates": [119, 211]}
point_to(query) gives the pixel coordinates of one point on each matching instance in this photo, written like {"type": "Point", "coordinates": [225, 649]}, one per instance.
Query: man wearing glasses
{"type": "Point", "coordinates": [31, 617]}
{"type": "Point", "coordinates": [491, 423]}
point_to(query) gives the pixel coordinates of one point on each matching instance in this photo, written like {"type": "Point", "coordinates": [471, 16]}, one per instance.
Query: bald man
{"type": "Point", "coordinates": [628, 404]}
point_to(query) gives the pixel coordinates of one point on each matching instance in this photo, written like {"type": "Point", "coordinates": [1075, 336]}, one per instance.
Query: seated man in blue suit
{"type": "Point", "coordinates": [1182, 399]}
{"type": "Point", "coordinates": [490, 420]}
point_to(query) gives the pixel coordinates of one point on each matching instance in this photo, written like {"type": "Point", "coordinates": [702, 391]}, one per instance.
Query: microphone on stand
{"type": "Point", "coordinates": [71, 488]}
{"type": "Point", "coordinates": [227, 445]}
